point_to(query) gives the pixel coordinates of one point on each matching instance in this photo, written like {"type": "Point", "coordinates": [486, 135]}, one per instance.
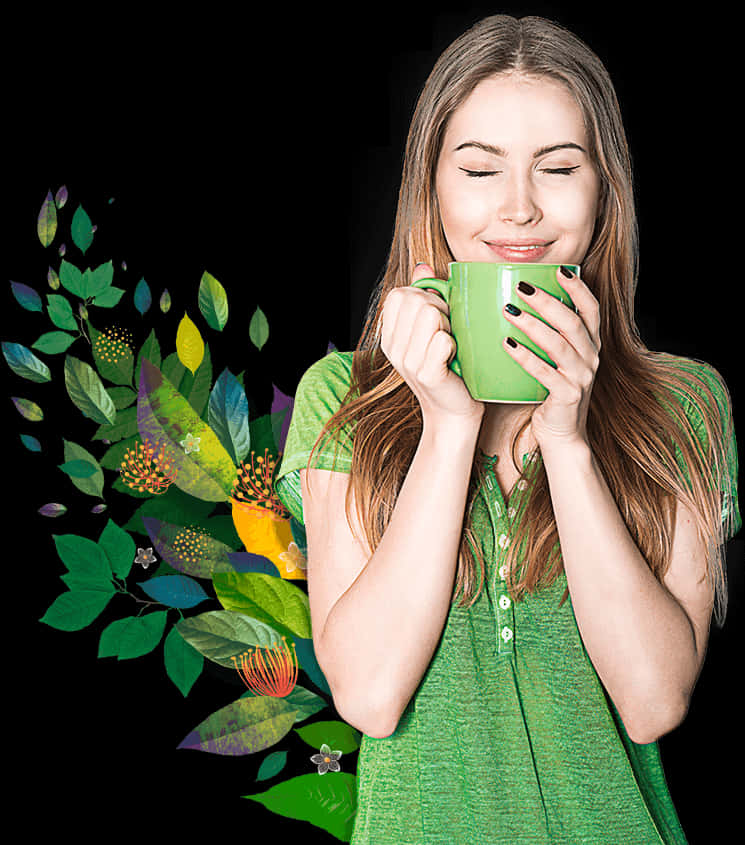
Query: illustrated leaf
{"type": "Point", "coordinates": [134, 636]}
{"type": "Point", "coordinates": [228, 415]}
{"type": "Point", "coordinates": [213, 302]}
{"type": "Point", "coordinates": [52, 509]}
{"type": "Point", "coordinates": [175, 590]}
{"type": "Point", "coordinates": [164, 414]}
{"type": "Point", "coordinates": [122, 397]}
{"type": "Point", "coordinates": [27, 409]}
{"type": "Point", "coordinates": [61, 197]}
{"type": "Point", "coordinates": [24, 363]}
{"type": "Point", "coordinates": [113, 358]}
{"type": "Point", "coordinates": [118, 547]}
{"type": "Point", "coordinates": [31, 443]}
{"type": "Point", "coordinates": [142, 297]}
{"type": "Point", "coordinates": [272, 600]}
{"type": "Point", "coordinates": [258, 329]}
{"type": "Point", "coordinates": [165, 301]}
{"type": "Point", "coordinates": [272, 765]}
{"type": "Point", "coordinates": [81, 229]}
{"type": "Point", "coordinates": [60, 312]}
{"type": "Point", "coordinates": [78, 469]}
{"type": "Point", "coordinates": [339, 735]}
{"type": "Point", "coordinates": [46, 225]}
{"type": "Point", "coordinates": [183, 662]}
{"type": "Point", "coordinates": [91, 485]}
{"type": "Point", "coordinates": [221, 635]}
{"type": "Point", "coordinates": [53, 342]}
{"type": "Point", "coordinates": [189, 550]}
{"type": "Point", "coordinates": [327, 801]}
{"type": "Point", "coordinates": [72, 279]}
{"type": "Point", "coordinates": [124, 426]}
{"type": "Point", "coordinates": [189, 344]}
{"type": "Point", "coordinates": [76, 609]}
{"type": "Point", "coordinates": [84, 557]}
{"type": "Point", "coordinates": [109, 298]}
{"type": "Point", "coordinates": [26, 296]}
{"type": "Point", "coordinates": [87, 392]}
{"type": "Point", "coordinates": [243, 727]}
{"type": "Point", "coordinates": [98, 281]}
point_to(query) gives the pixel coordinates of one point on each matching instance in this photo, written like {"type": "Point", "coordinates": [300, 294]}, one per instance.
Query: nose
{"type": "Point", "coordinates": [516, 201]}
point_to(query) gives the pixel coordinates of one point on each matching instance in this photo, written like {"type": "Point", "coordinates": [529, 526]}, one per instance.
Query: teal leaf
{"type": "Point", "coordinates": [272, 765]}
{"type": "Point", "coordinates": [31, 443]}
{"type": "Point", "coordinates": [87, 392]}
{"type": "Point", "coordinates": [142, 297]}
{"type": "Point", "coordinates": [26, 296]}
{"type": "Point", "coordinates": [81, 229]}
{"type": "Point", "coordinates": [91, 485]}
{"type": "Point", "coordinates": [78, 468]}
{"type": "Point", "coordinates": [175, 590]}
{"type": "Point", "coordinates": [183, 662]}
{"type": "Point", "coordinates": [228, 415]}
{"type": "Point", "coordinates": [24, 363]}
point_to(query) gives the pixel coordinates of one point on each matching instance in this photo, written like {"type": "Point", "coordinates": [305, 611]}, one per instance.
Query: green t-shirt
{"type": "Point", "coordinates": [510, 736]}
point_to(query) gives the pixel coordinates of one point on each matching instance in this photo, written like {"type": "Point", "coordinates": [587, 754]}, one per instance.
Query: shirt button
{"type": "Point", "coordinates": [511, 512]}
{"type": "Point", "coordinates": [506, 634]}
{"type": "Point", "coordinates": [503, 541]}
{"type": "Point", "coordinates": [522, 485]}
{"type": "Point", "coordinates": [503, 571]}
{"type": "Point", "coordinates": [504, 602]}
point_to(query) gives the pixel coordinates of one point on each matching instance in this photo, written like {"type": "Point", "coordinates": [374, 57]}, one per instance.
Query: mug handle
{"type": "Point", "coordinates": [443, 289]}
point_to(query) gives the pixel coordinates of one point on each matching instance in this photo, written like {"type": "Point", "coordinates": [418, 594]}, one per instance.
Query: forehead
{"type": "Point", "coordinates": [515, 111]}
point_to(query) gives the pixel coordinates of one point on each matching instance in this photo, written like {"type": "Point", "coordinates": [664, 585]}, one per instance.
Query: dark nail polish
{"type": "Point", "coordinates": [511, 342]}
{"type": "Point", "coordinates": [525, 288]}
{"type": "Point", "coordinates": [511, 309]}
{"type": "Point", "coordinates": [567, 272]}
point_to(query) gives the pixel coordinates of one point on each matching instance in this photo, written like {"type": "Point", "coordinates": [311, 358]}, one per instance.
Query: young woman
{"type": "Point", "coordinates": [445, 535]}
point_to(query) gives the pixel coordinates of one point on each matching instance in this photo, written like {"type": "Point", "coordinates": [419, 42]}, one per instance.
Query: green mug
{"type": "Point", "coordinates": [476, 293]}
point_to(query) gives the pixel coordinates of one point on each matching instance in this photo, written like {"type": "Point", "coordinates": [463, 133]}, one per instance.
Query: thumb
{"type": "Point", "coordinates": [422, 271]}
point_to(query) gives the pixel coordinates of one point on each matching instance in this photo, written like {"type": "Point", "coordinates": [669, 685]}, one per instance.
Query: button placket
{"type": "Point", "coordinates": [503, 605]}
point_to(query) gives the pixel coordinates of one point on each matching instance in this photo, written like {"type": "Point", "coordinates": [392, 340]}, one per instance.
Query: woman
{"type": "Point", "coordinates": [513, 715]}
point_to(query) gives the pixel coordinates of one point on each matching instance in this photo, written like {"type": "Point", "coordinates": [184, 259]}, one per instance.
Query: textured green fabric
{"type": "Point", "coordinates": [510, 737]}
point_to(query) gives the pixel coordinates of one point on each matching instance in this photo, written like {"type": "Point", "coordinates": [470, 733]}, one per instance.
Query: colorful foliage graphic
{"type": "Point", "coordinates": [203, 545]}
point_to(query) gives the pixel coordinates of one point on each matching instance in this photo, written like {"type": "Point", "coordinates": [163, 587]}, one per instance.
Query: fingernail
{"type": "Point", "coordinates": [566, 271]}
{"type": "Point", "coordinates": [512, 309]}
{"type": "Point", "coordinates": [525, 288]}
{"type": "Point", "coordinates": [511, 342]}
{"type": "Point", "coordinates": [419, 263]}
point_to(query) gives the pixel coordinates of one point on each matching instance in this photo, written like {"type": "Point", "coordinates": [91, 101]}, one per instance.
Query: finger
{"type": "Point", "coordinates": [425, 271]}
{"type": "Point", "coordinates": [584, 301]}
{"type": "Point", "coordinates": [560, 388]}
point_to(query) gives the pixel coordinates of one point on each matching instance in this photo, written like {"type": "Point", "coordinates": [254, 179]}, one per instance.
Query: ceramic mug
{"type": "Point", "coordinates": [476, 293]}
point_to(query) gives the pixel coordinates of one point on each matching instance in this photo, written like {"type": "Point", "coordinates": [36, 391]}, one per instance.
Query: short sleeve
{"type": "Point", "coordinates": [318, 397]}
{"type": "Point", "coordinates": [731, 519]}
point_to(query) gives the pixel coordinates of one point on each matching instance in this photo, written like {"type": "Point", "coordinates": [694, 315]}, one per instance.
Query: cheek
{"type": "Point", "coordinates": [462, 212]}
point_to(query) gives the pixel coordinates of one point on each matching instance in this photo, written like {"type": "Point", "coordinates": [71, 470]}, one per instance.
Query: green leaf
{"type": "Point", "coordinates": [83, 556]}
{"type": "Point", "coordinates": [72, 279]}
{"type": "Point", "coordinates": [327, 801]}
{"type": "Point", "coordinates": [53, 342]}
{"type": "Point", "coordinates": [113, 358]}
{"type": "Point", "coordinates": [119, 548]}
{"type": "Point", "coordinates": [142, 634]}
{"type": "Point", "coordinates": [221, 635]}
{"type": "Point", "coordinates": [76, 609]}
{"type": "Point", "coordinates": [99, 280]}
{"type": "Point", "coordinates": [339, 735]}
{"type": "Point", "coordinates": [213, 302]}
{"type": "Point", "coordinates": [228, 415]}
{"type": "Point", "coordinates": [78, 468]}
{"type": "Point", "coordinates": [46, 225]}
{"type": "Point", "coordinates": [266, 597]}
{"type": "Point", "coordinates": [81, 229]}
{"type": "Point", "coordinates": [122, 397]}
{"type": "Point", "coordinates": [243, 727]}
{"type": "Point", "coordinates": [125, 425]}
{"type": "Point", "coordinates": [109, 298]}
{"type": "Point", "coordinates": [60, 312]}
{"type": "Point", "coordinates": [258, 329]}
{"type": "Point", "coordinates": [87, 392]}
{"type": "Point", "coordinates": [24, 363]}
{"type": "Point", "coordinates": [187, 549]}
{"type": "Point", "coordinates": [90, 485]}
{"type": "Point", "coordinates": [183, 662]}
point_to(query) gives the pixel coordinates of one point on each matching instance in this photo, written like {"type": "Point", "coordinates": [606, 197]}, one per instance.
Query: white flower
{"type": "Point", "coordinates": [326, 760]}
{"type": "Point", "coordinates": [190, 443]}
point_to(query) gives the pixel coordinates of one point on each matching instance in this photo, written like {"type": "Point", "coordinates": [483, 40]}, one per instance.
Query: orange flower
{"type": "Point", "coordinates": [255, 484]}
{"type": "Point", "coordinates": [143, 469]}
{"type": "Point", "coordinates": [276, 675]}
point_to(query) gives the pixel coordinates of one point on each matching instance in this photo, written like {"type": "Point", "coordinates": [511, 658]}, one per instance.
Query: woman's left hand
{"type": "Point", "coordinates": [575, 348]}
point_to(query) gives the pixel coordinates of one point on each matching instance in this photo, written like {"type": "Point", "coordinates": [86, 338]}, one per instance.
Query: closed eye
{"type": "Point", "coordinates": [476, 174]}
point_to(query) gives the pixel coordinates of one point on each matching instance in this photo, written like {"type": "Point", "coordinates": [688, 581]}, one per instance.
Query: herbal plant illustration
{"type": "Point", "coordinates": [213, 559]}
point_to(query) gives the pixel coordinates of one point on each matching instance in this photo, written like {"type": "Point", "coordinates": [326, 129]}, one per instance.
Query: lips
{"type": "Point", "coordinates": [512, 251]}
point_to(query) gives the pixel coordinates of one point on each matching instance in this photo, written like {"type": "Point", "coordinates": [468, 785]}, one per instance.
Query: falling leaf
{"type": "Point", "coordinates": [52, 343]}
{"type": "Point", "coordinates": [213, 302]}
{"type": "Point", "coordinates": [165, 301]}
{"type": "Point", "coordinates": [53, 278]}
{"type": "Point", "coordinates": [258, 329]}
{"type": "Point", "coordinates": [91, 484]}
{"type": "Point", "coordinates": [228, 415]}
{"type": "Point", "coordinates": [87, 392]}
{"type": "Point", "coordinates": [60, 313]}
{"type": "Point", "coordinates": [189, 344]}
{"type": "Point", "coordinates": [183, 662]}
{"type": "Point", "coordinates": [78, 468]}
{"type": "Point", "coordinates": [61, 197]}
{"type": "Point", "coordinates": [142, 297]}
{"type": "Point", "coordinates": [81, 229]}
{"type": "Point", "coordinates": [98, 508]}
{"type": "Point", "coordinates": [46, 225]}
{"type": "Point", "coordinates": [27, 409]}
{"type": "Point", "coordinates": [24, 363]}
{"type": "Point", "coordinates": [52, 509]}
{"type": "Point", "coordinates": [31, 443]}
{"type": "Point", "coordinates": [26, 296]}
{"type": "Point", "coordinates": [72, 278]}
{"type": "Point", "coordinates": [175, 591]}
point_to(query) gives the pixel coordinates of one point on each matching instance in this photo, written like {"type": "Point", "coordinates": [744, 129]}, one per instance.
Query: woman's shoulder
{"type": "Point", "coordinates": [326, 382]}
{"type": "Point", "coordinates": [333, 367]}
{"type": "Point", "coordinates": [700, 378]}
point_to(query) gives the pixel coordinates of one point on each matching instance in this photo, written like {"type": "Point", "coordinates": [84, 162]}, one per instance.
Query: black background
{"type": "Point", "coordinates": [267, 150]}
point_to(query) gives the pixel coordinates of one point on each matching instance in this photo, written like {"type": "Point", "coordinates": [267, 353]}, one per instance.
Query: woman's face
{"type": "Point", "coordinates": [516, 197]}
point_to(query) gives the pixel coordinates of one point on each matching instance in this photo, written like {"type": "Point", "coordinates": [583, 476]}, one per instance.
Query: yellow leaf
{"type": "Point", "coordinates": [189, 344]}
{"type": "Point", "coordinates": [264, 533]}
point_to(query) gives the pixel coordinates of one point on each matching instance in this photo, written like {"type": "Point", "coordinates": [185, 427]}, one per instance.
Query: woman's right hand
{"type": "Point", "coordinates": [416, 340]}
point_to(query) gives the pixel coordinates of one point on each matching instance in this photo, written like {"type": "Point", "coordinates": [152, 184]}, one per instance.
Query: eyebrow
{"type": "Point", "coordinates": [498, 151]}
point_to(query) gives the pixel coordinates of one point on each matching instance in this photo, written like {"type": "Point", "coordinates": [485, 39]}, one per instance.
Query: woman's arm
{"type": "Point", "coordinates": [379, 636]}
{"type": "Point", "coordinates": [646, 641]}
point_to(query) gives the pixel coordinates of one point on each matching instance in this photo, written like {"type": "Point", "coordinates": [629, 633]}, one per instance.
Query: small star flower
{"type": "Point", "coordinates": [145, 557]}
{"type": "Point", "coordinates": [293, 558]}
{"type": "Point", "coordinates": [326, 760]}
{"type": "Point", "coordinates": [190, 443]}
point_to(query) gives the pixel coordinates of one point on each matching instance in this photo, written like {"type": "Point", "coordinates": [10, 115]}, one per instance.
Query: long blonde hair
{"type": "Point", "coordinates": [637, 413]}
